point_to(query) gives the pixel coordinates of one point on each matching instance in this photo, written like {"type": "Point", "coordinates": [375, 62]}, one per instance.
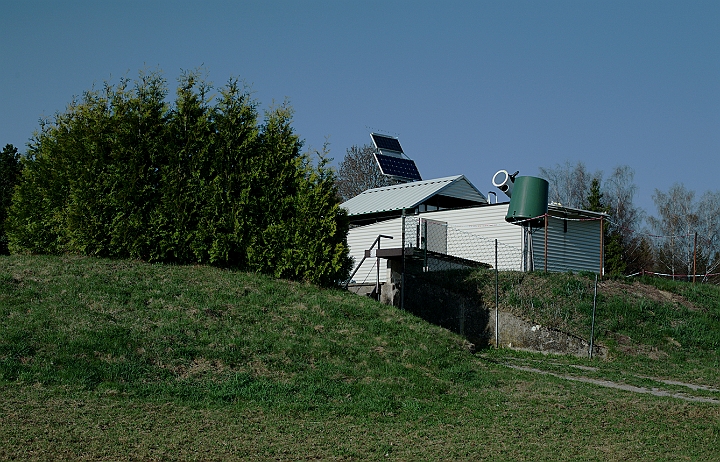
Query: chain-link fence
{"type": "Point", "coordinates": [443, 274]}
{"type": "Point", "coordinates": [436, 246]}
{"type": "Point", "coordinates": [448, 277]}
{"type": "Point", "coordinates": [433, 270]}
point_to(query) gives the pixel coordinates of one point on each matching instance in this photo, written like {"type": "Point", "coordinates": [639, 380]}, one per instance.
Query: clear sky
{"type": "Point", "coordinates": [470, 87]}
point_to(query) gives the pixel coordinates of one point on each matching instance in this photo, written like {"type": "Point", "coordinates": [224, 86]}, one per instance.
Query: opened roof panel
{"type": "Point", "coordinates": [386, 142]}
{"type": "Point", "coordinates": [398, 167]}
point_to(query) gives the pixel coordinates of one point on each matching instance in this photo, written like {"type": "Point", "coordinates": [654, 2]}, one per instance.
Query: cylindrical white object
{"type": "Point", "coordinates": [504, 182]}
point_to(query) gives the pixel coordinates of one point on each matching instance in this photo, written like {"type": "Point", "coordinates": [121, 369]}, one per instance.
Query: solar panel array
{"type": "Point", "coordinates": [398, 167]}
{"type": "Point", "coordinates": [386, 142]}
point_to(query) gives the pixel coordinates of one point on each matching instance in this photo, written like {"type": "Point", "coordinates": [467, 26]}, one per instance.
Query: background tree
{"type": "Point", "coordinates": [677, 221]}
{"type": "Point", "coordinates": [9, 174]}
{"type": "Point", "coordinates": [595, 200]}
{"type": "Point", "coordinates": [619, 190]}
{"type": "Point", "coordinates": [573, 186]}
{"type": "Point", "coordinates": [359, 172]}
{"type": "Point", "coordinates": [643, 256]}
{"type": "Point", "coordinates": [613, 258]}
{"type": "Point", "coordinates": [709, 231]}
{"type": "Point", "coordinates": [625, 253]}
{"type": "Point", "coordinates": [123, 174]}
{"type": "Point", "coordinates": [569, 184]}
{"type": "Point", "coordinates": [680, 216]}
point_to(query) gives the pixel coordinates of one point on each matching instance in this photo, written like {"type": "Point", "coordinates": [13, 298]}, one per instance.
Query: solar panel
{"type": "Point", "coordinates": [398, 167]}
{"type": "Point", "coordinates": [386, 143]}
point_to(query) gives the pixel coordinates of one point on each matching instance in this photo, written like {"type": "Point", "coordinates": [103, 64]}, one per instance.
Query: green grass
{"type": "Point", "coordinates": [642, 308]}
{"type": "Point", "coordinates": [205, 335]}
{"type": "Point", "coordinates": [105, 359]}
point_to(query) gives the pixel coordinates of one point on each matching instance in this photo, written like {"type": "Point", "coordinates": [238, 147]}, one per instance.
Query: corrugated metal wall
{"type": "Point", "coordinates": [572, 248]}
{"type": "Point", "coordinates": [461, 190]}
{"type": "Point", "coordinates": [361, 238]}
{"type": "Point", "coordinates": [488, 223]}
{"type": "Point", "coordinates": [575, 248]}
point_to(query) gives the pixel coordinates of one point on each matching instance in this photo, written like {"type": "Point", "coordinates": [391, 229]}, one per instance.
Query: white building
{"type": "Point", "coordinates": [450, 216]}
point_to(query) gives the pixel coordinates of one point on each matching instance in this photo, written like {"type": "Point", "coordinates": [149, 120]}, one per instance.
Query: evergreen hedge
{"type": "Point", "coordinates": [9, 173]}
{"type": "Point", "coordinates": [122, 173]}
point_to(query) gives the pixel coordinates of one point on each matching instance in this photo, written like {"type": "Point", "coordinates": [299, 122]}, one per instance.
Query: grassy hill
{"type": "Point", "coordinates": [634, 316]}
{"type": "Point", "coordinates": [105, 359]}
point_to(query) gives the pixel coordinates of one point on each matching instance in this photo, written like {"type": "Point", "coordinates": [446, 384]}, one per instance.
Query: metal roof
{"type": "Point", "coordinates": [559, 208]}
{"type": "Point", "coordinates": [410, 195]}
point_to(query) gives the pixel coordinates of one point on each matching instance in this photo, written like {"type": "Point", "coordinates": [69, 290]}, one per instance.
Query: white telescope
{"type": "Point", "coordinates": [504, 181]}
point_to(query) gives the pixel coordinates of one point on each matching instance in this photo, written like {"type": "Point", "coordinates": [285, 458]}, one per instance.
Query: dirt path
{"type": "Point", "coordinates": [631, 388]}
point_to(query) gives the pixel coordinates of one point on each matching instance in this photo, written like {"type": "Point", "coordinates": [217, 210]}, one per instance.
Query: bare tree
{"type": "Point", "coordinates": [625, 219]}
{"type": "Point", "coordinates": [359, 172]}
{"type": "Point", "coordinates": [572, 185]}
{"type": "Point", "coordinates": [709, 230]}
{"type": "Point", "coordinates": [619, 190]}
{"type": "Point", "coordinates": [569, 184]}
{"type": "Point", "coordinates": [679, 217]}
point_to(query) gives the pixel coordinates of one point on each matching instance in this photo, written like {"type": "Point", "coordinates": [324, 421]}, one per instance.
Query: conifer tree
{"type": "Point", "coordinates": [613, 256]}
{"type": "Point", "coordinates": [224, 223]}
{"type": "Point", "coordinates": [9, 173]}
{"type": "Point", "coordinates": [123, 174]}
{"type": "Point", "coordinates": [184, 172]}
{"type": "Point", "coordinates": [319, 226]}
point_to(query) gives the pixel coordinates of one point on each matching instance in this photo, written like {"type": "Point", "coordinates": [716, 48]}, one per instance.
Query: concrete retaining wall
{"type": "Point", "coordinates": [468, 317]}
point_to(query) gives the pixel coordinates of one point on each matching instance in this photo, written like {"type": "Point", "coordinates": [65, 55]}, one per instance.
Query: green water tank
{"type": "Point", "coordinates": [529, 200]}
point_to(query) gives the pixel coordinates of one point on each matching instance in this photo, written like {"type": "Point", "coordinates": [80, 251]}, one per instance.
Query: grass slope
{"type": "Point", "coordinates": [122, 360]}
{"type": "Point", "coordinates": [660, 326]}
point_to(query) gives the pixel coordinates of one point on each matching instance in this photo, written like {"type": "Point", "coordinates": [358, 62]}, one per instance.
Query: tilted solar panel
{"type": "Point", "coordinates": [386, 142]}
{"type": "Point", "coordinates": [398, 167]}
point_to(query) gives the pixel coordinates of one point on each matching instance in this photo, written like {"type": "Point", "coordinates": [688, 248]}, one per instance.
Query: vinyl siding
{"type": "Point", "coordinates": [361, 238]}
{"type": "Point", "coordinates": [471, 234]}
{"type": "Point", "coordinates": [578, 249]}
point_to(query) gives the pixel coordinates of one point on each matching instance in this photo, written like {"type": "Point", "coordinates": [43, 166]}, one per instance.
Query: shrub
{"type": "Point", "coordinates": [123, 174]}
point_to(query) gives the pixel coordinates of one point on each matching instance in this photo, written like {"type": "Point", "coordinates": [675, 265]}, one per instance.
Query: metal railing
{"type": "Point", "coordinates": [369, 252]}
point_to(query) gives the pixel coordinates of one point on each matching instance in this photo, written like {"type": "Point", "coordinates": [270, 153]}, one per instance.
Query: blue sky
{"type": "Point", "coordinates": [470, 87]}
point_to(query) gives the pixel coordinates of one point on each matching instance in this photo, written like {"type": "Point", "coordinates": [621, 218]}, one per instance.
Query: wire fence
{"type": "Point", "coordinates": [429, 263]}
{"type": "Point", "coordinates": [436, 261]}
{"type": "Point", "coordinates": [691, 255]}
{"type": "Point", "coordinates": [437, 246]}
{"type": "Point", "coordinates": [431, 245]}
{"type": "Point", "coordinates": [462, 295]}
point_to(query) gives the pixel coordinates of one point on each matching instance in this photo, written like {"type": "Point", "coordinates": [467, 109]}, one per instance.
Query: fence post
{"type": "Point", "coordinates": [592, 324]}
{"type": "Point", "coordinates": [497, 314]}
{"type": "Point", "coordinates": [695, 257]}
{"type": "Point", "coordinates": [402, 273]}
{"type": "Point", "coordinates": [602, 245]}
{"type": "Point", "coordinates": [377, 268]}
{"type": "Point", "coordinates": [546, 241]}
{"type": "Point", "coordinates": [424, 238]}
